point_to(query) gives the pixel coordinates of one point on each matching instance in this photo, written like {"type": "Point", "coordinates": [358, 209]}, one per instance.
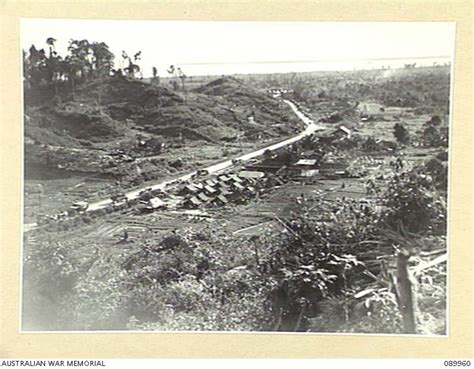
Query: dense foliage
{"type": "Point", "coordinates": [414, 202]}
{"type": "Point", "coordinates": [47, 74]}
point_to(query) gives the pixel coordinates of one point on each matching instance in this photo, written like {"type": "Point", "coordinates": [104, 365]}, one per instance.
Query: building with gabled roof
{"type": "Point", "coordinates": [192, 202]}
{"type": "Point", "coordinates": [235, 178]}
{"type": "Point", "coordinates": [225, 191]}
{"type": "Point", "coordinates": [220, 200]}
{"type": "Point", "coordinates": [307, 162]}
{"type": "Point", "coordinates": [238, 186]}
{"type": "Point", "coordinates": [222, 184]}
{"type": "Point", "coordinates": [156, 203]}
{"type": "Point", "coordinates": [251, 174]}
{"type": "Point", "coordinates": [189, 189]}
{"type": "Point", "coordinates": [209, 190]}
{"type": "Point", "coordinates": [210, 182]}
{"type": "Point", "coordinates": [202, 197]}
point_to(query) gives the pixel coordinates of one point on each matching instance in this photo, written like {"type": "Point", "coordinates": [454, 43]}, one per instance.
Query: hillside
{"type": "Point", "coordinates": [111, 113]}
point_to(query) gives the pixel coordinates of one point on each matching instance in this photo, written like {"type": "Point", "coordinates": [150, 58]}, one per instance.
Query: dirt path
{"type": "Point", "coordinates": [310, 128]}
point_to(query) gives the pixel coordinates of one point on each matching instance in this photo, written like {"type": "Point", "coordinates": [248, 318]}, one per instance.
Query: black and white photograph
{"type": "Point", "coordinates": [236, 176]}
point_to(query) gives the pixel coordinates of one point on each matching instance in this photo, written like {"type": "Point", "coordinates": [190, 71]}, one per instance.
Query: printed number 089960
{"type": "Point", "coordinates": [457, 363]}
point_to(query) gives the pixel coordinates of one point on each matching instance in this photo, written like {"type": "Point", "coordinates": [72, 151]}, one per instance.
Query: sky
{"type": "Point", "coordinates": [222, 47]}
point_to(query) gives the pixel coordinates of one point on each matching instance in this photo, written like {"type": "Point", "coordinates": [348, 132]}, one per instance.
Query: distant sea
{"type": "Point", "coordinates": [203, 69]}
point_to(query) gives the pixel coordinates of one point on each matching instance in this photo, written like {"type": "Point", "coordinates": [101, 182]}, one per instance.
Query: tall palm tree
{"type": "Point", "coordinates": [173, 72]}
{"type": "Point", "coordinates": [50, 41]}
{"type": "Point", "coordinates": [181, 76]}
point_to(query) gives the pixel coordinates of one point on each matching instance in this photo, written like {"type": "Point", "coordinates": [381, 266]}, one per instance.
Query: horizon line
{"type": "Point", "coordinates": [318, 61]}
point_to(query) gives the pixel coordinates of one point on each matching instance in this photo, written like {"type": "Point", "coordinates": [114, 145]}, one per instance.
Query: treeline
{"type": "Point", "coordinates": [84, 61]}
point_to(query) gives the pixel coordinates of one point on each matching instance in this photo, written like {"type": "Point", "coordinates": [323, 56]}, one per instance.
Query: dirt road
{"type": "Point", "coordinates": [310, 128]}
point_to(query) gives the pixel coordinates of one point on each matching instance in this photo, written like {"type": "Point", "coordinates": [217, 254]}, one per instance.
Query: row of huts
{"type": "Point", "coordinates": [225, 188]}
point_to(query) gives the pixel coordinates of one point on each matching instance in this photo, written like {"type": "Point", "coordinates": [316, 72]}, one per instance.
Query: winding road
{"type": "Point", "coordinates": [310, 127]}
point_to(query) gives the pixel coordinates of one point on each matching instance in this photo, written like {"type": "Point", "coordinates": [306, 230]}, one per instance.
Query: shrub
{"type": "Point", "coordinates": [413, 202]}
{"type": "Point", "coordinates": [438, 171]}
{"type": "Point", "coordinates": [401, 134]}
{"type": "Point", "coordinates": [377, 313]}
{"type": "Point", "coordinates": [435, 120]}
{"type": "Point", "coordinates": [434, 136]}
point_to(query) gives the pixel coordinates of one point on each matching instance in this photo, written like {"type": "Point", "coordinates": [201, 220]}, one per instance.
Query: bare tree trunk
{"type": "Point", "coordinates": [257, 259]}
{"type": "Point", "coordinates": [72, 88]}
{"type": "Point", "coordinates": [277, 323]}
{"type": "Point", "coordinates": [405, 296]}
{"type": "Point", "coordinates": [300, 316]}
{"type": "Point", "coordinates": [99, 93]}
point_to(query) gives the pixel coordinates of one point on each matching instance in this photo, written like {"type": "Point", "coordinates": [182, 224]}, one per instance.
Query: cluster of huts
{"type": "Point", "coordinates": [224, 189]}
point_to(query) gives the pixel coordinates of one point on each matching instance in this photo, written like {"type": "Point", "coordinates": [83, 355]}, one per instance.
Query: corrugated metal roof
{"type": "Point", "coordinates": [155, 202]}
{"type": "Point", "coordinates": [238, 185]}
{"type": "Point", "coordinates": [195, 200]}
{"type": "Point", "coordinates": [306, 162]}
{"type": "Point", "coordinates": [210, 182]}
{"type": "Point", "coordinates": [235, 178]}
{"type": "Point", "coordinates": [192, 188]}
{"type": "Point", "coordinates": [223, 199]}
{"type": "Point", "coordinates": [210, 189]}
{"type": "Point", "coordinates": [203, 197]}
{"type": "Point", "coordinates": [251, 174]}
